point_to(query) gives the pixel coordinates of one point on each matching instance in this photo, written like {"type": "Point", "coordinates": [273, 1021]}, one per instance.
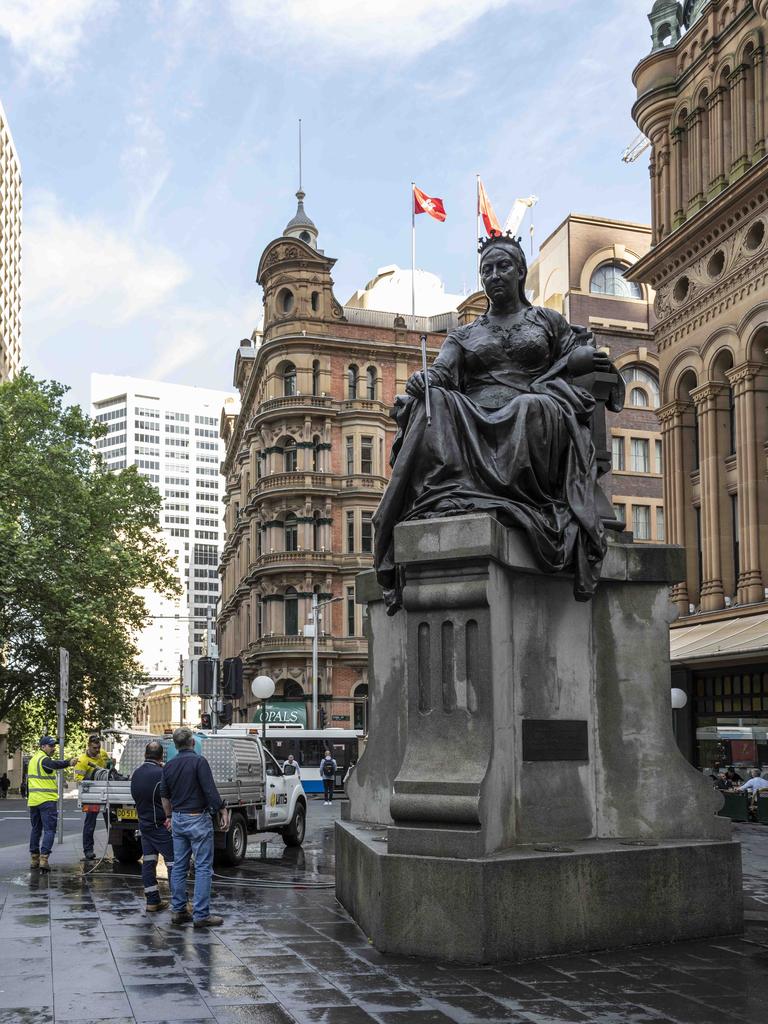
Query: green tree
{"type": "Point", "coordinates": [77, 544]}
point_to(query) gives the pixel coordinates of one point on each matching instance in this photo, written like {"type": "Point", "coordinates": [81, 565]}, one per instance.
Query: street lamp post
{"type": "Point", "coordinates": [262, 689]}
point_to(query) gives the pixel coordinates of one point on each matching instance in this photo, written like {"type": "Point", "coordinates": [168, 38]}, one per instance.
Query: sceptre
{"type": "Point", "coordinates": [427, 405]}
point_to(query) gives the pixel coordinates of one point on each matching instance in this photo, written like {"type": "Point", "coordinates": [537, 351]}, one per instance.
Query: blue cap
{"type": "Point", "coordinates": [48, 741]}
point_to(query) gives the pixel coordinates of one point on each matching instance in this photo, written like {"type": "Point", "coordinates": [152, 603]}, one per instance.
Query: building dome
{"type": "Point", "coordinates": [300, 225]}
{"type": "Point", "coordinates": [692, 11]}
{"type": "Point", "coordinates": [390, 292]}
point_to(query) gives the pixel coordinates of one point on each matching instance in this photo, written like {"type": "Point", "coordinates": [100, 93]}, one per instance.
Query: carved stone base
{"type": "Point", "coordinates": [527, 903]}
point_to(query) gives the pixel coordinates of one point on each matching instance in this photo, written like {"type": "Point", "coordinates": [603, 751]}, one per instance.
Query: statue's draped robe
{"type": "Point", "coordinates": [510, 433]}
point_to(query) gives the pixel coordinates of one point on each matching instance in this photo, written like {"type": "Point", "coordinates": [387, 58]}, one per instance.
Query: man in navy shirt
{"type": "Point", "coordinates": [190, 797]}
{"type": "Point", "coordinates": [154, 823]}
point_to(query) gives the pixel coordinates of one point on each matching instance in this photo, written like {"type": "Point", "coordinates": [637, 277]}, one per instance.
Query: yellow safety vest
{"type": "Point", "coordinates": [42, 785]}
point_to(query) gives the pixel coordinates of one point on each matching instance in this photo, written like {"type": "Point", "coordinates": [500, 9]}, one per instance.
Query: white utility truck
{"type": "Point", "coordinates": [261, 796]}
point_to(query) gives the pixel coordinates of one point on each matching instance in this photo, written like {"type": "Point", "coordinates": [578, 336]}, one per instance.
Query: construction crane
{"type": "Point", "coordinates": [635, 149]}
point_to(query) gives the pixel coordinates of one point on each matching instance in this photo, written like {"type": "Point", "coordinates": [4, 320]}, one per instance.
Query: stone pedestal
{"type": "Point", "coordinates": [521, 792]}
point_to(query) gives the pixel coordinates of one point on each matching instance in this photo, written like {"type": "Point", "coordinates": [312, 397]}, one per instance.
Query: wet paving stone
{"type": "Point", "coordinates": [273, 1014]}
{"type": "Point", "coordinates": [104, 1006]}
{"type": "Point", "coordinates": [178, 1001]}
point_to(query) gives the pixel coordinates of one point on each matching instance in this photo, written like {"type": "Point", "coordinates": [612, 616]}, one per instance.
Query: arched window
{"type": "Point", "coordinates": [608, 279]}
{"type": "Point", "coordinates": [315, 301]}
{"type": "Point", "coordinates": [291, 612]}
{"type": "Point", "coordinates": [292, 690]}
{"type": "Point", "coordinates": [316, 377]}
{"type": "Point", "coordinates": [286, 300]}
{"type": "Point", "coordinates": [642, 388]}
{"type": "Point", "coordinates": [352, 378]}
{"type": "Point", "coordinates": [289, 379]}
{"type": "Point", "coordinates": [370, 376]}
{"type": "Point", "coordinates": [291, 529]}
{"type": "Point", "coordinates": [316, 526]}
{"type": "Point", "coordinates": [315, 453]}
{"type": "Point", "coordinates": [305, 237]}
{"type": "Point", "coordinates": [290, 456]}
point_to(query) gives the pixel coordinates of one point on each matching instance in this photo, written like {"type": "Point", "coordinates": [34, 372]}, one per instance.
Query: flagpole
{"type": "Point", "coordinates": [413, 256]}
{"type": "Point", "coordinates": [477, 232]}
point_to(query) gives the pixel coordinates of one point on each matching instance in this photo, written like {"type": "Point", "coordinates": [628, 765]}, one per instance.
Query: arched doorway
{"type": "Point", "coordinates": [361, 706]}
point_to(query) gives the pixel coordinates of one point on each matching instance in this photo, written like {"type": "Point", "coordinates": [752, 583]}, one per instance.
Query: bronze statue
{"type": "Point", "coordinates": [510, 431]}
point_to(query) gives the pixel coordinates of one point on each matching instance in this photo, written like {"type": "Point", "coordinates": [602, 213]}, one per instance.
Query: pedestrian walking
{"type": "Point", "coordinates": [94, 757]}
{"type": "Point", "coordinates": [328, 768]}
{"type": "Point", "coordinates": [42, 795]}
{"type": "Point", "coordinates": [292, 765]}
{"type": "Point", "coordinates": [154, 823]}
{"type": "Point", "coordinates": [5, 785]}
{"type": "Point", "coordinates": [190, 798]}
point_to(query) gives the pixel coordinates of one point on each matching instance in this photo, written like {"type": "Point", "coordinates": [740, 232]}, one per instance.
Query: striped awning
{"type": "Point", "coordinates": [729, 638]}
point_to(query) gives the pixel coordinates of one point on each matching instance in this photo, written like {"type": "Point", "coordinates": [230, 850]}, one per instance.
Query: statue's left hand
{"type": "Point", "coordinates": [586, 359]}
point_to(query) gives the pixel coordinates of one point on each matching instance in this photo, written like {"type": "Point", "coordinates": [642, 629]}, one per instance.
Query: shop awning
{"type": "Point", "coordinates": [745, 635]}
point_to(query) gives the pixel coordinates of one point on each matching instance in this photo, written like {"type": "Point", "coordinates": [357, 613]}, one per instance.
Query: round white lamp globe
{"type": "Point", "coordinates": [679, 698]}
{"type": "Point", "coordinates": [262, 687]}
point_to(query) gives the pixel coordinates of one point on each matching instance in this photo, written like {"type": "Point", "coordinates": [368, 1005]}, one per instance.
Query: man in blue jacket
{"type": "Point", "coordinates": [154, 823]}
{"type": "Point", "coordinates": [190, 798]}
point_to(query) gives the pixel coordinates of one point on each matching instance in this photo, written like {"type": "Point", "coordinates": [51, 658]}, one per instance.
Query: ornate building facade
{"type": "Point", "coordinates": [580, 271]}
{"type": "Point", "coordinates": [306, 463]}
{"type": "Point", "coordinates": [701, 101]}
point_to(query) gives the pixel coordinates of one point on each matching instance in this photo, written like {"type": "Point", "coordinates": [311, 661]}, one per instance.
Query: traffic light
{"type": "Point", "coordinates": [233, 678]}
{"type": "Point", "coordinates": [205, 720]}
{"type": "Point", "coordinates": [206, 667]}
{"type": "Point", "coordinates": [226, 714]}
{"type": "Point", "coordinates": [321, 717]}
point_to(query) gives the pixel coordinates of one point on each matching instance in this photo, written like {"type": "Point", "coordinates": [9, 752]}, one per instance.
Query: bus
{"type": "Point", "coordinates": [308, 747]}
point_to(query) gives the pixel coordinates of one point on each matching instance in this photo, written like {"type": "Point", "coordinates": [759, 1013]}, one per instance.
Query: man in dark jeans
{"type": "Point", "coordinates": [328, 768]}
{"type": "Point", "coordinates": [190, 797]}
{"type": "Point", "coordinates": [154, 823]}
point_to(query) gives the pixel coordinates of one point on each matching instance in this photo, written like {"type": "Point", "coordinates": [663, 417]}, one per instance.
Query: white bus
{"type": "Point", "coordinates": [308, 747]}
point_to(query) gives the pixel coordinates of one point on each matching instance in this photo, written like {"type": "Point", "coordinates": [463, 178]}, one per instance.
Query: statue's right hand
{"type": "Point", "coordinates": [415, 384]}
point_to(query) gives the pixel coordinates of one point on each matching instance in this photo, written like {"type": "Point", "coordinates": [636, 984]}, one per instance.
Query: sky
{"type": "Point", "coordinates": [158, 142]}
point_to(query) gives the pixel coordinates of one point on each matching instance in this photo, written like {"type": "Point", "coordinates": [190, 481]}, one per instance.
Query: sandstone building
{"type": "Point", "coordinates": [10, 253]}
{"type": "Point", "coordinates": [701, 101]}
{"type": "Point", "coordinates": [306, 463]}
{"type": "Point", "coordinates": [580, 272]}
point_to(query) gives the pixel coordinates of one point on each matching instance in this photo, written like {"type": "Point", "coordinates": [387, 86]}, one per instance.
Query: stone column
{"type": "Point", "coordinates": [695, 187]}
{"type": "Point", "coordinates": [758, 62]}
{"type": "Point", "coordinates": [750, 581]}
{"type": "Point", "coordinates": [678, 198]}
{"type": "Point", "coordinates": [671, 417]}
{"type": "Point", "coordinates": [711, 594]}
{"type": "Point", "coordinates": [739, 158]}
{"type": "Point", "coordinates": [655, 219]}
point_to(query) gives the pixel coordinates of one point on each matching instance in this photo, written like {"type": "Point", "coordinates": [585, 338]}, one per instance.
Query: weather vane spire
{"type": "Point", "coordinates": [300, 188]}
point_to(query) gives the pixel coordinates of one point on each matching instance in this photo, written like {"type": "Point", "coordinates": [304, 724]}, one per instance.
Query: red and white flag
{"type": "Point", "coordinates": [422, 203]}
{"type": "Point", "coordinates": [486, 211]}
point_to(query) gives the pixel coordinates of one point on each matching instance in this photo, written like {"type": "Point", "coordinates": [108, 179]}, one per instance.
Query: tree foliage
{"type": "Point", "coordinates": [77, 543]}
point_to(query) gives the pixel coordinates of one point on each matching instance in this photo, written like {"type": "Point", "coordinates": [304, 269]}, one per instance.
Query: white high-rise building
{"type": "Point", "coordinates": [171, 433]}
{"type": "Point", "coordinates": [10, 253]}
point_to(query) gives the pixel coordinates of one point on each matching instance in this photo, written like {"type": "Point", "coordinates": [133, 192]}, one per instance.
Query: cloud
{"type": "Point", "coordinates": [84, 270]}
{"type": "Point", "coordinates": [48, 33]}
{"type": "Point", "coordinates": [398, 28]}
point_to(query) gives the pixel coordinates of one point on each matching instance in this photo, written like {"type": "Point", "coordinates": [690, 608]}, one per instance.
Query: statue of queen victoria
{"type": "Point", "coordinates": [510, 431]}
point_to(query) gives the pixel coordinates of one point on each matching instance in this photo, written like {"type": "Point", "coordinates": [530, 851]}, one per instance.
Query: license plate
{"type": "Point", "coordinates": [127, 814]}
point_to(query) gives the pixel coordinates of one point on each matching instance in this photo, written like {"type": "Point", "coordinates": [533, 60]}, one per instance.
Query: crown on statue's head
{"type": "Point", "coordinates": [507, 239]}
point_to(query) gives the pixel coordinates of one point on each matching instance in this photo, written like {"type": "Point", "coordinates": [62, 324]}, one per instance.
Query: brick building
{"type": "Point", "coordinates": [306, 463]}
{"type": "Point", "coordinates": [580, 272]}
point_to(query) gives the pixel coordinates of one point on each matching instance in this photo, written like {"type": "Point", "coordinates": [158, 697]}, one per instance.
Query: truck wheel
{"type": "Point", "coordinates": [128, 851]}
{"type": "Point", "coordinates": [293, 834]}
{"type": "Point", "coordinates": [236, 842]}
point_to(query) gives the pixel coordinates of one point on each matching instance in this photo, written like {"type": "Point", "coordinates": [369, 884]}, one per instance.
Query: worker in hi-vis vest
{"type": "Point", "coordinates": [42, 794]}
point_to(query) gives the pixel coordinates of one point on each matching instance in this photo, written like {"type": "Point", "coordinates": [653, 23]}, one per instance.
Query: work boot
{"type": "Point", "coordinates": [212, 921]}
{"type": "Point", "coordinates": [181, 917]}
{"type": "Point", "coordinates": [154, 908]}
{"type": "Point", "coordinates": [34, 860]}
{"type": "Point", "coordinates": [44, 862]}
